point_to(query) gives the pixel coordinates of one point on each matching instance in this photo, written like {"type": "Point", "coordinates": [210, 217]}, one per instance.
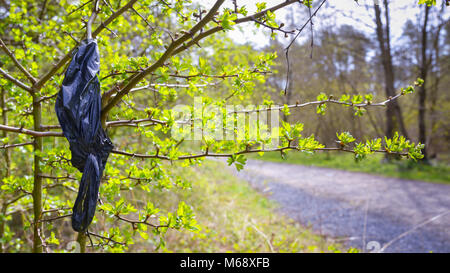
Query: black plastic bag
{"type": "Point", "coordinates": [78, 107]}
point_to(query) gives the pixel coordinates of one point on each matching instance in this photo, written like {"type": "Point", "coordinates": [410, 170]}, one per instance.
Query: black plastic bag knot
{"type": "Point", "coordinates": [78, 107]}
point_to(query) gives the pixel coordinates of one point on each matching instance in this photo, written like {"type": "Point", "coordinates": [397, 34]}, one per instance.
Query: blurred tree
{"type": "Point", "coordinates": [394, 117]}
{"type": "Point", "coordinates": [424, 53]}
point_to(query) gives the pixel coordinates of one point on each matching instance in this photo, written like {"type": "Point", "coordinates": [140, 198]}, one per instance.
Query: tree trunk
{"type": "Point", "coordinates": [6, 155]}
{"type": "Point", "coordinates": [37, 187]}
{"type": "Point", "coordinates": [6, 152]}
{"type": "Point", "coordinates": [422, 90]}
{"type": "Point", "coordinates": [434, 88]}
{"type": "Point", "coordinates": [81, 239]}
{"type": "Point", "coordinates": [394, 117]}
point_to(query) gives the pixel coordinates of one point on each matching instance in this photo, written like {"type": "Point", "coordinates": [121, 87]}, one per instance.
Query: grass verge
{"type": "Point", "coordinates": [236, 218]}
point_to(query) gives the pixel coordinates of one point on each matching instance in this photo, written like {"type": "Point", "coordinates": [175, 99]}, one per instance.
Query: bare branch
{"type": "Point", "coordinates": [171, 85]}
{"type": "Point", "coordinates": [286, 32]}
{"type": "Point", "coordinates": [293, 40]}
{"type": "Point", "coordinates": [135, 222]}
{"type": "Point", "coordinates": [132, 122]}
{"type": "Point", "coordinates": [297, 105]}
{"type": "Point", "coordinates": [55, 218]}
{"type": "Point", "coordinates": [143, 18]}
{"type": "Point", "coordinates": [16, 62]}
{"type": "Point", "coordinates": [115, 123]}
{"type": "Point", "coordinates": [16, 198]}
{"type": "Point", "coordinates": [15, 81]}
{"type": "Point", "coordinates": [80, 7]}
{"type": "Point", "coordinates": [108, 240]}
{"type": "Point", "coordinates": [237, 21]}
{"type": "Point", "coordinates": [135, 79]}
{"type": "Point", "coordinates": [7, 146]}
{"type": "Point", "coordinates": [91, 20]}
{"type": "Point", "coordinates": [67, 57]}
{"type": "Point", "coordinates": [29, 132]}
{"type": "Point", "coordinates": [176, 47]}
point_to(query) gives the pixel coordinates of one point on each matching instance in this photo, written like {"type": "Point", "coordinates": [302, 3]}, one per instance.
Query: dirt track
{"type": "Point", "coordinates": [356, 208]}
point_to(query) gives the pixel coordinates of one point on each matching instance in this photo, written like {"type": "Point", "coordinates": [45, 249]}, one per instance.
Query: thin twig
{"type": "Point", "coordinates": [143, 18]}
{"type": "Point", "coordinates": [55, 218]}
{"type": "Point", "coordinates": [7, 146]}
{"type": "Point", "coordinates": [80, 7]}
{"type": "Point", "coordinates": [107, 239]}
{"type": "Point", "coordinates": [292, 42]}
{"type": "Point", "coordinates": [135, 222]}
{"type": "Point", "coordinates": [413, 229]}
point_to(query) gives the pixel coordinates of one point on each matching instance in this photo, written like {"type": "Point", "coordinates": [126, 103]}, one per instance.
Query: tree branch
{"type": "Point", "coordinates": [91, 20]}
{"type": "Point", "coordinates": [55, 218]}
{"type": "Point", "coordinates": [16, 62]}
{"type": "Point", "coordinates": [7, 146]}
{"type": "Point", "coordinates": [297, 105]}
{"type": "Point", "coordinates": [29, 132]}
{"type": "Point", "coordinates": [15, 81]}
{"type": "Point", "coordinates": [294, 39]}
{"type": "Point", "coordinates": [207, 154]}
{"type": "Point", "coordinates": [108, 240]}
{"type": "Point", "coordinates": [135, 79]}
{"type": "Point", "coordinates": [176, 47]}
{"type": "Point", "coordinates": [135, 222]}
{"type": "Point", "coordinates": [237, 21]}
{"type": "Point", "coordinates": [133, 122]}
{"type": "Point", "coordinates": [67, 57]}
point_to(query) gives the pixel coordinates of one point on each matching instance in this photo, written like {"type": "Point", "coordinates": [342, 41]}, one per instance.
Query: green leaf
{"type": "Point", "coordinates": [428, 2]}
{"type": "Point", "coordinates": [345, 138]}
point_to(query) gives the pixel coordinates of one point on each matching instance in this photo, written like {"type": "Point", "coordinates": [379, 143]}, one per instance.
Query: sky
{"type": "Point", "coordinates": [334, 13]}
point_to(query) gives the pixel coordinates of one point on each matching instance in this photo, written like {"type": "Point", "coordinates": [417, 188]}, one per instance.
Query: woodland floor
{"type": "Point", "coordinates": [358, 209]}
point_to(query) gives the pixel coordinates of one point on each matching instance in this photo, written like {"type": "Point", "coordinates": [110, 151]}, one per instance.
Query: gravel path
{"type": "Point", "coordinates": [356, 208]}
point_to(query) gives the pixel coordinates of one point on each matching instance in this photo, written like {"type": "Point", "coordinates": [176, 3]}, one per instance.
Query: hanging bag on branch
{"type": "Point", "coordinates": [78, 107]}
